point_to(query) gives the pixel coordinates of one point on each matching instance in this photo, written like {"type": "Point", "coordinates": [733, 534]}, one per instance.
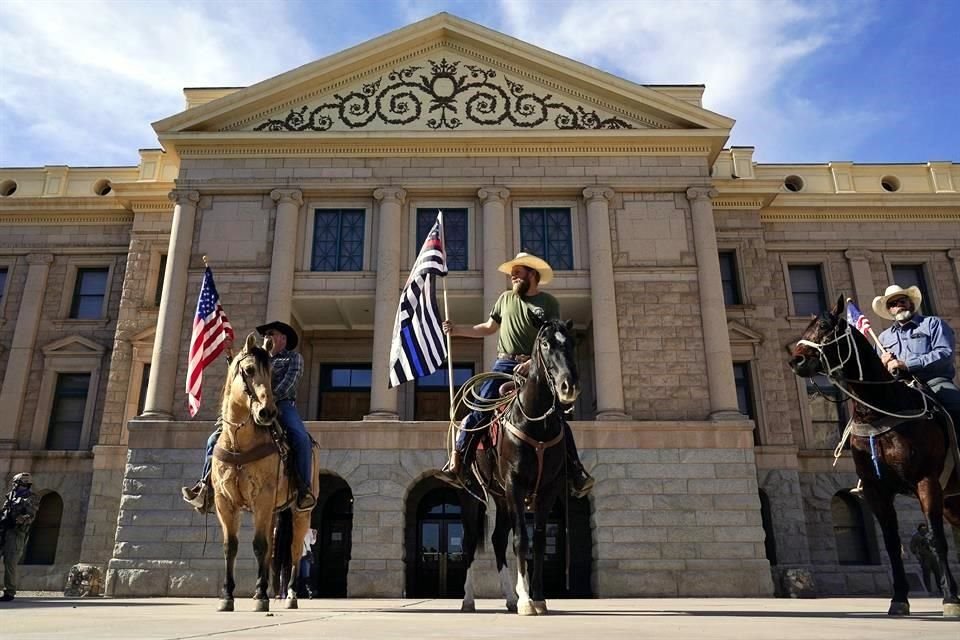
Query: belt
{"type": "Point", "coordinates": [516, 357]}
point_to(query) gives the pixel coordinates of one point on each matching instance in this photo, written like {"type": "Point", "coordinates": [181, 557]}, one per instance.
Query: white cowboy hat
{"type": "Point", "coordinates": [529, 261]}
{"type": "Point", "coordinates": [893, 291]}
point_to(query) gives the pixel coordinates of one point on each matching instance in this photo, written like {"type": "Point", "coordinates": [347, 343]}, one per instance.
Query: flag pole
{"type": "Point", "coordinates": [446, 313]}
{"type": "Point", "coordinates": [872, 334]}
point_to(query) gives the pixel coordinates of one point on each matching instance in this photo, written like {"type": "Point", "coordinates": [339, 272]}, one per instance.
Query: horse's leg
{"type": "Point", "coordinates": [537, 592]}
{"type": "Point", "coordinates": [882, 506]}
{"type": "Point", "coordinates": [931, 501]}
{"type": "Point", "coordinates": [262, 543]}
{"type": "Point", "coordinates": [501, 533]}
{"type": "Point", "coordinates": [472, 513]}
{"type": "Point", "coordinates": [521, 545]}
{"type": "Point", "coordinates": [301, 524]}
{"type": "Point", "coordinates": [229, 523]}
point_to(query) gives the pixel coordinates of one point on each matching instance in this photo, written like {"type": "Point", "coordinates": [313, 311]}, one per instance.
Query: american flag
{"type": "Point", "coordinates": [419, 346]}
{"type": "Point", "coordinates": [857, 319]}
{"type": "Point", "coordinates": [210, 330]}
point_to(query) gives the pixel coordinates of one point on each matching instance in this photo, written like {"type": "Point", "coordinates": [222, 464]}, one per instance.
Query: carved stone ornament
{"type": "Point", "coordinates": [447, 95]}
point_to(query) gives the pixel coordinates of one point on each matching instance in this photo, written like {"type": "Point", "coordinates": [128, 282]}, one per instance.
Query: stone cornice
{"type": "Point", "coordinates": [48, 217]}
{"type": "Point", "coordinates": [854, 214]}
{"type": "Point", "coordinates": [741, 202]}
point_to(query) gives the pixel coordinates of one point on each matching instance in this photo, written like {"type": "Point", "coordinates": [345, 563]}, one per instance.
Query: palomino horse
{"type": "Point", "coordinates": [899, 441]}
{"type": "Point", "coordinates": [247, 472]}
{"type": "Point", "coordinates": [529, 473]}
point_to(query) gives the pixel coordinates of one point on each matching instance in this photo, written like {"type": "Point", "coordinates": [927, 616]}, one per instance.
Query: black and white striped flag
{"type": "Point", "coordinates": [419, 346]}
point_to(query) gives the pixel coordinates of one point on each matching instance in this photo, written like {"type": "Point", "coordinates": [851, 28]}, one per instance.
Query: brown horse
{"type": "Point", "coordinates": [527, 475]}
{"type": "Point", "coordinates": [899, 441]}
{"type": "Point", "coordinates": [247, 472]}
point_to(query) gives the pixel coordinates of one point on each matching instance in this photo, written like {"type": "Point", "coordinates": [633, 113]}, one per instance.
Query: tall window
{"type": "Point", "coordinates": [850, 530]}
{"type": "Point", "coordinates": [338, 240]}
{"type": "Point", "coordinates": [144, 382]}
{"type": "Point", "coordinates": [345, 391]}
{"type": "Point", "coordinates": [828, 412]}
{"type": "Point", "coordinates": [728, 277]}
{"type": "Point", "coordinates": [809, 295]}
{"type": "Point", "coordinates": [88, 294]}
{"type": "Point", "coordinates": [741, 377]}
{"type": "Point", "coordinates": [432, 400]}
{"type": "Point", "coordinates": [911, 275]}
{"type": "Point", "coordinates": [69, 406]}
{"type": "Point", "coordinates": [45, 532]}
{"type": "Point", "coordinates": [546, 232]}
{"type": "Point", "coordinates": [3, 283]}
{"type": "Point", "coordinates": [163, 271]}
{"type": "Point", "coordinates": [454, 234]}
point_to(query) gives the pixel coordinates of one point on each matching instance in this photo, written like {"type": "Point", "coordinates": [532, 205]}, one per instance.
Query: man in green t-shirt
{"type": "Point", "coordinates": [518, 315]}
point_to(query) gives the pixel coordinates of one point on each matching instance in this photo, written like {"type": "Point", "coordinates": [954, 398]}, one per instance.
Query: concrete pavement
{"type": "Point", "coordinates": [45, 617]}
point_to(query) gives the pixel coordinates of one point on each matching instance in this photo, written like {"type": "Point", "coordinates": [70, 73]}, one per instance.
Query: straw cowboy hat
{"type": "Point", "coordinates": [529, 261]}
{"type": "Point", "coordinates": [285, 329]}
{"type": "Point", "coordinates": [893, 291]}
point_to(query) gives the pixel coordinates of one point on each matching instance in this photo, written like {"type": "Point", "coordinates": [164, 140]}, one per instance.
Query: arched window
{"type": "Point", "coordinates": [42, 544]}
{"type": "Point", "coordinates": [850, 530]}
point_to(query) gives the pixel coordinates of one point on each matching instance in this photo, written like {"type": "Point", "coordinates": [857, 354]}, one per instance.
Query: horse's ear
{"type": "Point", "coordinates": [838, 310]}
{"type": "Point", "coordinates": [251, 341]}
{"type": "Point", "coordinates": [569, 324]}
{"type": "Point", "coordinates": [268, 344]}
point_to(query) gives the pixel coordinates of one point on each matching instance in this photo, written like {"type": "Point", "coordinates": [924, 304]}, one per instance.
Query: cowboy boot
{"type": "Point", "coordinates": [199, 496]}
{"type": "Point", "coordinates": [305, 499]}
{"type": "Point", "coordinates": [451, 473]}
{"type": "Point", "coordinates": [581, 482]}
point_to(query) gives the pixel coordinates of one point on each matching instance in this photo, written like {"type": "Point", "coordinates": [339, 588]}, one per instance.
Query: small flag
{"type": "Point", "coordinates": [857, 319]}
{"type": "Point", "coordinates": [210, 330]}
{"type": "Point", "coordinates": [419, 346]}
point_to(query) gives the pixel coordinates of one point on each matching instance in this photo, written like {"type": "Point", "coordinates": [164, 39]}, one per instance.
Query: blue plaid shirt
{"type": "Point", "coordinates": [925, 344]}
{"type": "Point", "coordinates": [287, 369]}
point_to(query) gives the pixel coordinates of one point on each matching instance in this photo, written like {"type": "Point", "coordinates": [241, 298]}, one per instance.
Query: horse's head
{"type": "Point", "coordinates": [820, 344]}
{"type": "Point", "coordinates": [250, 380]}
{"type": "Point", "coordinates": [553, 350]}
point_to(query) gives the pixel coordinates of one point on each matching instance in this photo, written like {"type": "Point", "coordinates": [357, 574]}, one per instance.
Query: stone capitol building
{"type": "Point", "coordinates": [686, 266]}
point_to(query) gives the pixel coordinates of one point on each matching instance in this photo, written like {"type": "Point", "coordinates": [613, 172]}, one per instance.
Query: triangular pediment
{"type": "Point", "coordinates": [742, 334]}
{"type": "Point", "coordinates": [73, 346]}
{"type": "Point", "coordinates": [442, 75]}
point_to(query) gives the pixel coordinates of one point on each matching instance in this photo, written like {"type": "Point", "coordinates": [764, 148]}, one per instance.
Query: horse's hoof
{"type": "Point", "coordinates": [292, 604]}
{"type": "Point", "coordinates": [525, 608]}
{"type": "Point", "coordinates": [951, 610]}
{"type": "Point", "coordinates": [540, 606]}
{"type": "Point", "coordinates": [899, 609]}
{"type": "Point", "coordinates": [261, 606]}
{"type": "Point", "coordinates": [468, 607]}
{"type": "Point", "coordinates": [225, 605]}
{"type": "Point", "coordinates": [512, 607]}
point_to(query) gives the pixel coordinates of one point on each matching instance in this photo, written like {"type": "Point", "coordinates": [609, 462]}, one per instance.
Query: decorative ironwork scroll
{"type": "Point", "coordinates": [447, 95]}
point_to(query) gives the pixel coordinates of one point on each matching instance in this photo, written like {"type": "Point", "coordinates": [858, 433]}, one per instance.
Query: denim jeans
{"type": "Point", "coordinates": [296, 434]}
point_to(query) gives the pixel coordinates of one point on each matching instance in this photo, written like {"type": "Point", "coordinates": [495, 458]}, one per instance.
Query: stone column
{"type": "Point", "coordinates": [166, 344]}
{"type": "Point", "coordinates": [716, 339]}
{"type": "Point", "coordinates": [283, 265]}
{"type": "Point", "coordinates": [606, 332]}
{"type": "Point", "coordinates": [954, 256]}
{"type": "Point", "coordinates": [383, 400]}
{"type": "Point", "coordinates": [21, 349]}
{"type": "Point", "coordinates": [863, 289]}
{"type": "Point", "coordinates": [493, 200]}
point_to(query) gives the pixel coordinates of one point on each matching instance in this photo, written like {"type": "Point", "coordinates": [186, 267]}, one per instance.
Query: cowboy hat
{"type": "Point", "coordinates": [894, 291]}
{"type": "Point", "coordinates": [529, 261]}
{"type": "Point", "coordinates": [285, 329]}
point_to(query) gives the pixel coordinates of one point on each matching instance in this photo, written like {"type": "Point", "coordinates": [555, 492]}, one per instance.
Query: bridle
{"type": "Point", "coordinates": [247, 389]}
{"type": "Point", "coordinates": [538, 357]}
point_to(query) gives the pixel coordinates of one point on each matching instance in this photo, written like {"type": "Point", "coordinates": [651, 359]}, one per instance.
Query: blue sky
{"type": "Point", "coordinates": [807, 81]}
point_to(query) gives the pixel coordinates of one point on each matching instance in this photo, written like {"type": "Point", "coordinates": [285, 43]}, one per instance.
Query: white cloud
{"type": "Point", "coordinates": [744, 52]}
{"type": "Point", "coordinates": [80, 82]}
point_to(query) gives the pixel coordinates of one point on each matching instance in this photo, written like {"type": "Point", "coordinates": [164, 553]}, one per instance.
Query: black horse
{"type": "Point", "coordinates": [899, 441]}
{"type": "Point", "coordinates": [527, 473]}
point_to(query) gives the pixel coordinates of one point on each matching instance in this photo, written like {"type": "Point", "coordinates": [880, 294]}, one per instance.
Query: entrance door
{"type": "Point", "coordinates": [440, 568]}
{"type": "Point", "coordinates": [333, 556]}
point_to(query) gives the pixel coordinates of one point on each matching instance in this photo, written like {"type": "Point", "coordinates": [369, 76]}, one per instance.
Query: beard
{"type": "Point", "coordinates": [903, 316]}
{"type": "Point", "coordinates": [520, 288]}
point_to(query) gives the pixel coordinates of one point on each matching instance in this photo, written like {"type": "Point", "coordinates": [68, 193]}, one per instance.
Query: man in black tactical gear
{"type": "Point", "coordinates": [16, 516]}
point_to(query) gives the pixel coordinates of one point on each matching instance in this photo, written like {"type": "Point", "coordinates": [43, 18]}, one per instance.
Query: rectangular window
{"type": "Point", "coordinates": [828, 412]}
{"type": "Point", "coordinates": [88, 294]}
{"type": "Point", "coordinates": [160, 277]}
{"type": "Point", "coordinates": [3, 284]}
{"type": "Point", "coordinates": [911, 275]}
{"type": "Point", "coordinates": [144, 381]}
{"type": "Point", "coordinates": [338, 240]}
{"type": "Point", "coordinates": [546, 232]}
{"type": "Point", "coordinates": [432, 400]}
{"type": "Point", "coordinates": [741, 377]}
{"type": "Point", "coordinates": [454, 234]}
{"type": "Point", "coordinates": [809, 295]}
{"type": "Point", "coordinates": [728, 276]}
{"type": "Point", "coordinates": [345, 391]}
{"type": "Point", "coordinates": [66, 416]}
